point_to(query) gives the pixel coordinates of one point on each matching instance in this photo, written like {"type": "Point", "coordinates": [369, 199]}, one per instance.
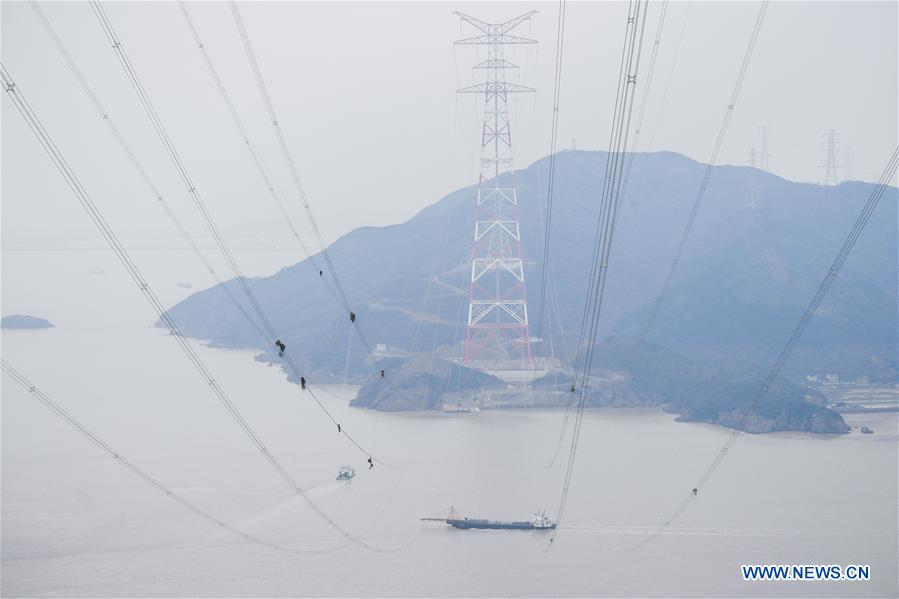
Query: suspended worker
{"type": "Point", "coordinates": [303, 382]}
{"type": "Point", "coordinates": [352, 317]}
{"type": "Point", "coordinates": [572, 388]}
{"type": "Point", "coordinates": [382, 373]}
{"type": "Point", "coordinates": [371, 464]}
{"type": "Point", "coordinates": [320, 273]}
{"type": "Point", "coordinates": [281, 347]}
{"type": "Point", "coordinates": [695, 491]}
{"type": "Point", "coordinates": [338, 429]}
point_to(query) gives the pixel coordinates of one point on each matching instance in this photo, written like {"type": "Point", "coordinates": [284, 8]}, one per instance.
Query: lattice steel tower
{"type": "Point", "coordinates": [829, 147]}
{"type": "Point", "coordinates": [497, 308]}
{"type": "Point", "coordinates": [751, 199]}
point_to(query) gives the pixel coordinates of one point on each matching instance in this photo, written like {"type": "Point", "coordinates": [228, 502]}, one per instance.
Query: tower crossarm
{"type": "Point", "coordinates": [495, 63]}
{"type": "Point", "coordinates": [511, 312]}
{"type": "Point", "coordinates": [493, 87]}
{"type": "Point", "coordinates": [503, 27]}
{"type": "Point", "coordinates": [481, 266]}
{"type": "Point", "coordinates": [474, 22]}
{"type": "Point", "coordinates": [510, 227]}
{"type": "Point", "coordinates": [506, 194]}
{"type": "Point", "coordinates": [494, 39]}
{"type": "Point", "coordinates": [513, 23]}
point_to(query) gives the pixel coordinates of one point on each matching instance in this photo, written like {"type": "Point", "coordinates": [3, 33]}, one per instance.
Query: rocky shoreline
{"type": "Point", "coordinates": [656, 378]}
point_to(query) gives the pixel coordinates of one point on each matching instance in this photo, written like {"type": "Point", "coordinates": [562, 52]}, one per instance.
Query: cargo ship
{"type": "Point", "coordinates": [459, 409]}
{"type": "Point", "coordinates": [539, 521]}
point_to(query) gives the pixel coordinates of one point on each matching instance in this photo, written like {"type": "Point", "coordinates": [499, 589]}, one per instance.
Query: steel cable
{"type": "Point", "coordinates": [707, 174]}
{"type": "Point", "coordinates": [557, 84]}
{"type": "Point", "coordinates": [612, 190]}
{"type": "Point", "coordinates": [251, 148]}
{"type": "Point", "coordinates": [829, 277]}
{"type": "Point", "coordinates": [270, 334]}
{"type": "Point", "coordinates": [142, 474]}
{"type": "Point", "coordinates": [109, 235]}
{"type": "Point", "coordinates": [285, 150]}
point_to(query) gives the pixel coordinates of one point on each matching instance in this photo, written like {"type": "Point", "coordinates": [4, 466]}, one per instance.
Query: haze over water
{"type": "Point", "coordinates": [75, 523]}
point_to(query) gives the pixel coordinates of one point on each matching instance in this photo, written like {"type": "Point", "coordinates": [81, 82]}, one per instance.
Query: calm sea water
{"type": "Point", "coordinates": [75, 523]}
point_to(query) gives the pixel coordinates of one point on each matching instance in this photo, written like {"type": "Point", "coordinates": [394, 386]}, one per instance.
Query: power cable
{"type": "Point", "coordinates": [652, 67]}
{"type": "Point", "coordinates": [135, 162]}
{"type": "Point", "coordinates": [295, 177]}
{"type": "Point", "coordinates": [141, 473]}
{"type": "Point", "coordinates": [643, 103]}
{"type": "Point", "coordinates": [854, 233]}
{"type": "Point", "coordinates": [137, 277]}
{"type": "Point", "coordinates": [270, 333]}
{"type": "Point", "coordinates": [557, 84]}
{"type": "Point", "coordinates": [612, 190]}
{"type": "Point", "coordinates": [600, 264]}
{"type": "Point", "coordinates": [251, 149]}
{"type": "Point", "coordinates": [700, 194]}
{"type": "Point", "coordinates": [662, 102]}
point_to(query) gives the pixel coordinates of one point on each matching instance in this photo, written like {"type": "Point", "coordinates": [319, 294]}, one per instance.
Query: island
{"type": "Point", "coordinates": [423, 382]}
{"type": "Point", "coordinates": [23, 321]}
{"type": "Point", "coordinates": [710, 348]}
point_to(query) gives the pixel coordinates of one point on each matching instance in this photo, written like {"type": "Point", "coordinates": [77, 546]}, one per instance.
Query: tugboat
{"type": "Point", "coordinates": [539, 521]}
{"type": "Point", "coordinates": [346, 473]}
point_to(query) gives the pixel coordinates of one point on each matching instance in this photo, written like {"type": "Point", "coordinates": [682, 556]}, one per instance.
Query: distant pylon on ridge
{"type": "Point", "coordinates": [829, 147]}
{"type": "Point", "coordinates": [763, 164]}
{"type": "Point", "coordinates": [751, 199]}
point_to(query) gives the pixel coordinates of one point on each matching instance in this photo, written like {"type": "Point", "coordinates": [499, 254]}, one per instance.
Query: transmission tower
{"type": "Point", "coordinates": [763, 164]}
{"type": "Point", "coordinates": [829, 149]}
{"type": "Point", "coordinates": [751, 200]}
{"type": "Point", "coordinates": [497, 309]}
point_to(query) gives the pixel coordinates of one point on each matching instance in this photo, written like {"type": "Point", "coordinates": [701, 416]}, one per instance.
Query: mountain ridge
{"type": "Point", "coordinates": [759, 248]}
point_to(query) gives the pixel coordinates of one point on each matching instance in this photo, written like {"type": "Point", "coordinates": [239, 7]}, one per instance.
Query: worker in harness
{"type": "Point", "coordinates": [303, 383]}
{"type": "Point", "coordinates": [371, 464]}
{"type": "Point", "coordinates": [352, 317]}
{"type": "Point", "coordinates": [281, 347]}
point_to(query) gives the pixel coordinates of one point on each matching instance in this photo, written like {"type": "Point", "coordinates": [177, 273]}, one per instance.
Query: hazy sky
{"type": "Point", "coordinates": [365, 93]}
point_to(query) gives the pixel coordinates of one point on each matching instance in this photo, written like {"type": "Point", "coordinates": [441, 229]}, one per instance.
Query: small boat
{"type": "Point", "coordinates": [346, 473]}
{"type": "Point", "coordinates": [459, 409]}
{"type": "Point", "coordinates": [539, 521]}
